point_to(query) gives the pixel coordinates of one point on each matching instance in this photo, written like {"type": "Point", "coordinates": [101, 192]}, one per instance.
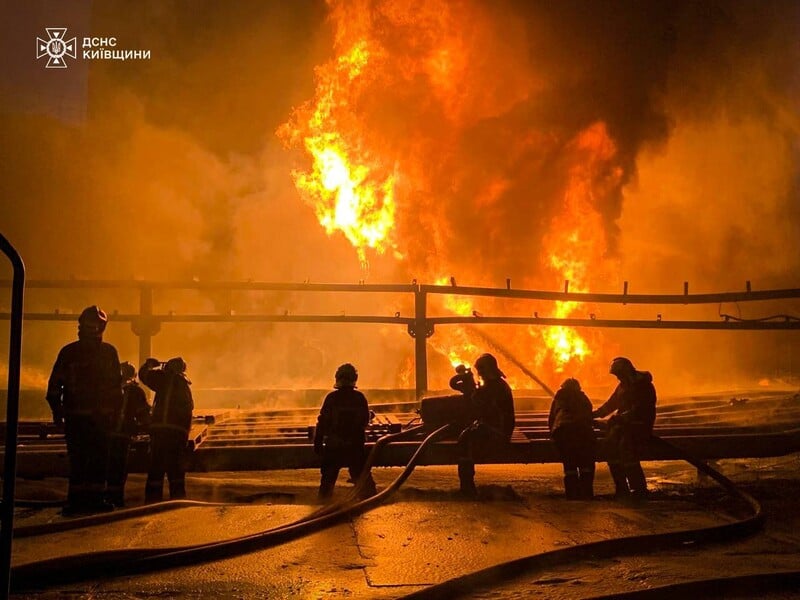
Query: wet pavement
{"type": "Point", "coordinates": [427, 533]}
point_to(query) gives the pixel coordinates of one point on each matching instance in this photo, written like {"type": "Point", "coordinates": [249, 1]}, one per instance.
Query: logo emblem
{"type": "Point", "coordinates": [57, 48]}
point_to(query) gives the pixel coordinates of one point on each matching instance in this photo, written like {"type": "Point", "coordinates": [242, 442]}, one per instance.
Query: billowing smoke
{"type": "Point", "coordinates": [553, 141]}
{"type": "Point", "coordinates": [655, 143]}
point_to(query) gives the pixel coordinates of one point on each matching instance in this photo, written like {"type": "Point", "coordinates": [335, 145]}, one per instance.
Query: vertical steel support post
{"type": "Point", "coordinates": [421, 333]}
{"type": "Point", "coordinates": [12, 415]}
{"type": "Point", "coordinates": [144, 328]}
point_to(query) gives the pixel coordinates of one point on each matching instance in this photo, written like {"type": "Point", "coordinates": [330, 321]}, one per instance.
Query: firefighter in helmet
{"type": "Point", "coordinates": [570, 424]}
{"type": "Point", "coordinates": [84, 393]}
{"type": "Point", "coordinates": [134, 417]}
{"type": "Point", "coordinates": [339, 437]}
{"type": "Point", "coordinates": [493, 405]}
{"type": "Point", "coordinates": [463, 381]}
{"type": "Point", "coordinates": [633, 403]}
{"type": "Point", "coordinates": [169, 426]}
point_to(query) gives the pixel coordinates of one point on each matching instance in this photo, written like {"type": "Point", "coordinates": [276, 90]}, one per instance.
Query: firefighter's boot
{"type": "Point", "coordinates": [621, 490]}
{"type": "Point", "coordinates": [637, 481]}
{"type": "Point", "coordinates": [586, 483]}
{"type": "Point", "coordinates": [571, 483]}
{"type": "Point", "coordinates": [466, 477]}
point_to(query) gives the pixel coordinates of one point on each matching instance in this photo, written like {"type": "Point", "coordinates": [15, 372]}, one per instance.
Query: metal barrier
{"type": "Point", "coordinates": [146, 323]}
{"type": "Point", "coordinates": [12, 414]}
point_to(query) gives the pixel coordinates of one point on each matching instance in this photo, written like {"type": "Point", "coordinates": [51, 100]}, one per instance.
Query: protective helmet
{"type": "Point", "coordinates": [346, 376]}
{"type": "Point", "coordinates": [176, 365]}
{"type": "Point", "coordinates": [571, 385]}
{"type": "Point", "coordinates": [92, 322]}
{"type": "Point", "coordinates": [621, 366]}
{"type": "Point", "coordinates": [486, 365]}
{"type": "Point", "coordinates": [127, 370]}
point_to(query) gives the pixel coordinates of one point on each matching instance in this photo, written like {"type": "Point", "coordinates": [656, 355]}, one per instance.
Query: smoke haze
{"type": "Point", "coordinates": [664, 135]}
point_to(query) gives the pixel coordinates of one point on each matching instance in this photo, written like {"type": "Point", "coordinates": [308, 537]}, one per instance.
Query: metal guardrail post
{"type": "Point", "coordinates": [12, 415]}
{"type": "Point", "coordinates": [421, 330]}
{"type": "Point", "coordinates": [145, 326]}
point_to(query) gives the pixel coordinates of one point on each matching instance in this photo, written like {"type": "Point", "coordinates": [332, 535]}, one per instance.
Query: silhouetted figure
{"type": "Point", "coordinates": [339, 437]}
{"type": "Point", "coordinates": [85, 394]}
{"type": "Point", "coordinates": [169, 427]}
{"type": "Point", "coordinates": [493, 404]}
{"type": "Point", "coordinates": [134, 417]}
{"type": "Point", "coordinates": [570, 424]}
{"type": "Point", "coordinates": [463, 381]}
{"type": "Point", "coordinates": [629, 429]}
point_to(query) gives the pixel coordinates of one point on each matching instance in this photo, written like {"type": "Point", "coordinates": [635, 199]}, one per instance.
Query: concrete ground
{"type": "Point", "coordinates": [426, 534]}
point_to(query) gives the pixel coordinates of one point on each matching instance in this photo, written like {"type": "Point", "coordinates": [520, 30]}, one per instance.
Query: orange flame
{"type": "Point", "coordinates": [358, 154]}
{"type": "Point", "coordinates": [577, 238]}
{"type": "Point", "coordinates": [456, 343]}
{"type": "Point", "coordinates": [350, 190]}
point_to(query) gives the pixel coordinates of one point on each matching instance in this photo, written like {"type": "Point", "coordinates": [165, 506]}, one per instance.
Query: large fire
{"type": "Point", "coordinates": [347, 186]}
{"type": "Point", "coordinates": [576, 239]}
{"type": "Point", "coordinates": [407, 83]}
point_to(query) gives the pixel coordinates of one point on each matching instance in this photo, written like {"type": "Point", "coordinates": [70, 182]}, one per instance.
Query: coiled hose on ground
{"type": "Point", "coordinates": [96, 565]}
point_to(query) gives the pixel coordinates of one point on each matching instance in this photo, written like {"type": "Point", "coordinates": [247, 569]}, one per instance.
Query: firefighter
{"type": "Point", "coordinates": [169, 427]}
{"type": "Point", "coordinates": [134, 417]}
{"type": "Point", "coordinates": [339, 437]}
{"type": "Point", "coordinates": [493, 405]}
{"type": "Point", "coordinates": [633, 403]}
{"type": "Point", "coordinates": [463, 381]}
{"type": "Point", "coordinates": [84, 393]}
{"type": "Point", "coordinates": [570, 423]}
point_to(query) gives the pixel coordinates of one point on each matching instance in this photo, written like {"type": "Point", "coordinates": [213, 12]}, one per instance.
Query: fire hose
{"type": "Point", "coordinates": [638, 544]}
{"type": "Point", "coordinates": [103, 518]}
{"type": "Point", "coordinates": [641, 544]}
{"type": "Point", "coordinates": [159, 507]}
{"type": "Point", "coordinates": [718, 587]}
{"type": "Point", "coordinates": [95, 565]}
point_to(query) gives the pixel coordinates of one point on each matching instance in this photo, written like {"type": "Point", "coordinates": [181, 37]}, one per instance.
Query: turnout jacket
{"type": "Point", "coordinates": [342, 419]}
{"type": "Point", "coordinates": [570, 406]}
{"type": "Point", "coordinates": [135, 413]}
{"type": "Point", "coordinates": [494, 406]}
{"type": "Point", "coordinates": [173, 404]}
{"type": "Point", "coordinates": [86, 381]}
{"type": "Point", "coordinates": [634, 402]}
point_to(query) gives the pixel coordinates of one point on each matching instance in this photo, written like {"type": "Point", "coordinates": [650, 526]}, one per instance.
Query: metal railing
{"type": "Point", "coordinates": [12, 414]}
{"type": "Point", "coordinates": [146, 323]}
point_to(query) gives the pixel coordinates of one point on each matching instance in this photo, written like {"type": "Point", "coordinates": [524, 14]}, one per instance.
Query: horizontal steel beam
{"type": "Point", "coordinates": [599, 298]}
{"type": "Point", "coordinates": [706, 443]}
{"type": "Point", "coordinates": [226, 318]}
{"type": "Point", "coordinates": [265, 286]}
{"type": "Point", "coordinates": [752, 325]}
{"type": "Point", "coordinates": [301, 456]}
{"type": "Point", "coordinates": [716, 298]}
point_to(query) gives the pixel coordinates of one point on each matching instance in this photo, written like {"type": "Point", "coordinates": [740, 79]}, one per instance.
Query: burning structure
{"type": "Point", "coordinates": [519, 144]}
{"type": "Point", "coordinates": [550, 146]}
